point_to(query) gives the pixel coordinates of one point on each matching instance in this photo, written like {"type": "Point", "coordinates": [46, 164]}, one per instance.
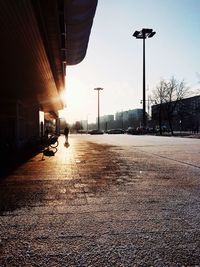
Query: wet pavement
{"type": "Point", "coordinates": [98, 204]}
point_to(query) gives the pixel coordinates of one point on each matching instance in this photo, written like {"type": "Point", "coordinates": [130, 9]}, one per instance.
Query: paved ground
{"type": "Point", "coordinates": [107, 202]}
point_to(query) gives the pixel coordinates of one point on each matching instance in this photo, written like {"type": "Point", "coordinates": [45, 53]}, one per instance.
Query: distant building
{"type": "Point", "coordinates": [122, 119]}
{"type": "Point", "coordinates": [106, 118]}
{"type": "Point", "coordinates": [129, 114]}
{"type": "Point", "coordinates": [106, 122]}
{"type": "Point", "coordinates": [186, 115]}
{"type": "Point", "coordinates": [132, 117]}
{"type": "Point", "coordinates": [84, 124]}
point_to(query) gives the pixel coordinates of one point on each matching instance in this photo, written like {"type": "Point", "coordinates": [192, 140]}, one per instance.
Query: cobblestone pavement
{"type": "Point", "coordinates": [100, 205]}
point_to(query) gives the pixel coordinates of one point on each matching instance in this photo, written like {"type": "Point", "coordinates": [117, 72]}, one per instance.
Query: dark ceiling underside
{"type": "Point", "coordinates": [79, 19]}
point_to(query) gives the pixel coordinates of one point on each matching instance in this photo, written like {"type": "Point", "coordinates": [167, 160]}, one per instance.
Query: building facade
{"type": "Point", "coordinates": [185, 116]}
{"type": "Point", "coordinates": [129, 118]}
{"type": "Point", "coordinates": [38, 40]}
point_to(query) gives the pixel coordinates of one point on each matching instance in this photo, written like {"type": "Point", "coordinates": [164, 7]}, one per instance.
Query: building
{"type": "Point", "coordinates": [38, 40]}
{"type": "Point", "coordinates": [84, 124]}
{"type": "Point", "coordinates": [122, 119]}
{"type": "Point", "coordinates": [106, 118]}
{"type": "Point", "coordinates": [106, 122]}
{"type": "Point", "coordinates": [132, 117]}
{"type": "Point", "coordinates": [185, 116]}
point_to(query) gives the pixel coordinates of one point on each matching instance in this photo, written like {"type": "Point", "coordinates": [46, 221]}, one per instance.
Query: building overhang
{"type": "Point", "coordinates": [78, 21]}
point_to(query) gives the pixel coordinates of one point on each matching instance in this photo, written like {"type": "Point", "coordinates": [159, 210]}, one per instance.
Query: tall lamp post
{"type": "Point", "coordinates": [143, 34]}
{"type": "Point", "coordinates": [98, 89]}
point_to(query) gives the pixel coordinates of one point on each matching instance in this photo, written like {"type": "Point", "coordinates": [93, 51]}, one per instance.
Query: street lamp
{"type": "Point", "coordinates": [87, 122]}
{"type": "Point", "coordinates": [98, 89]}
{"type": "Point", "coordinates": [143, 34]}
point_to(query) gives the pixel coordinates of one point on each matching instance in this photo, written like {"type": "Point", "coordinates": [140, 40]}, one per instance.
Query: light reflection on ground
{"type": "Point", "coordinates": [96, 204]}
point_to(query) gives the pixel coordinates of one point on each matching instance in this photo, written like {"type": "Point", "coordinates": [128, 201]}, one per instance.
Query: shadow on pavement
{"type": "Point", "coordinates": [11, 160]}
{"type": "Point", "coordinates": [93, 170]}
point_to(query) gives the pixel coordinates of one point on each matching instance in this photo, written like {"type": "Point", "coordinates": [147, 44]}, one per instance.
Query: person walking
{"type": "Point", "coordinates": [66, 133]}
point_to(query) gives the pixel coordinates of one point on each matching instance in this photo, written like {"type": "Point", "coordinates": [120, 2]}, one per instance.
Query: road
{"type": "Point", "coordinates": [178, 149]}
{"type": "Point", "coordinates": [111, 200]}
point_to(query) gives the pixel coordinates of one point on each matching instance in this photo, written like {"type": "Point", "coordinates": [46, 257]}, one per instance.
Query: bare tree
{"type": "Point", "coordinates": [168, 94]}
{"type": "Point", "coordinates": [159, 95]}
{"type": "Point", "coordinates": [175, 92]}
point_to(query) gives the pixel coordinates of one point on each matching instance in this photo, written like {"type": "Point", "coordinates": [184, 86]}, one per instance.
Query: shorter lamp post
{"type": "Point", "coordinates": [98, 89]}
{"type": "Point", "coordinates": [87, 123]}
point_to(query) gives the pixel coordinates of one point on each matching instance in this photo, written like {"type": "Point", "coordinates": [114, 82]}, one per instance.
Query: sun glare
{"type": "Point", "coordinates": [63, 97]}
{"type": "Point", "coordinates": [75, 97]}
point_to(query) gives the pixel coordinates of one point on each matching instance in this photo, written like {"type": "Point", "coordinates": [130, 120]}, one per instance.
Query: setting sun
{"type": "Point", "coordinates": [79, 98]}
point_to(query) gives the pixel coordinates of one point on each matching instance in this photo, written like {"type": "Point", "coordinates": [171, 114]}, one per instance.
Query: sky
{"type": "Point", "coordinates": [114, 57]}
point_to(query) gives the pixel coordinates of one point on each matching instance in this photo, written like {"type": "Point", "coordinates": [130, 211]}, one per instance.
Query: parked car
{"type": "Point", "coordinates": [96, 131]}
{"type": "Point", "coordinates": [131, 130]}
{"type": "Point", "coordinates": [141, 130]}
{"type": "Point", "coordinates": [164, 129]}
{"type": "Point", "coordinates": [138, 130]}
{"type": "Point", "coordinates": [82, 131]}
{"type": "Point", "coordinates": [150, 130]}
{"type": "Point", "coordinates": [116, 131]}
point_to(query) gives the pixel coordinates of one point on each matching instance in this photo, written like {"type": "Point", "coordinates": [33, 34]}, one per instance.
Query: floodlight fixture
{"type": "Point", "coordinates": [144, 33]}
{"type": "Point", "coordinates": [137, 34]}
{"type": "Point", "coordinates": [151, 34]}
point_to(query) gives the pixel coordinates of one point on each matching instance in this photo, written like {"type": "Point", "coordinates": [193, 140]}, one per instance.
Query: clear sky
{"type": "Point", "coordinates": [114, 58]}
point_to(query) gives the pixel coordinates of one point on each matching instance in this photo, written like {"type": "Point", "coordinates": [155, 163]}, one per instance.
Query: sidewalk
{"type": "Point", "coordinates": [99, 205]}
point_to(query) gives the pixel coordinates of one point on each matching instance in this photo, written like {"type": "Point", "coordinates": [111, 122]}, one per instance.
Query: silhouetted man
{"type": "Point", "coordinates": [66, 132]}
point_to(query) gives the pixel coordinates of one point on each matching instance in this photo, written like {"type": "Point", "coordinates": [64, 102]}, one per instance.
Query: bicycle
{"type": "Point", "coordinates": [50, 141]}
{"type": "Point", "coordinates": [49, 145]}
